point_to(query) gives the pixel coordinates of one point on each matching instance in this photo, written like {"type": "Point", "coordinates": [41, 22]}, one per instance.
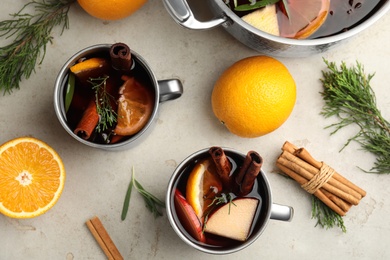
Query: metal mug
{"type": "Point", "coordinates": [261, 41]}
{"type": "Point", "coordinates": [269, 209]}
{"type": "Point", "coordinates": [164, 90]}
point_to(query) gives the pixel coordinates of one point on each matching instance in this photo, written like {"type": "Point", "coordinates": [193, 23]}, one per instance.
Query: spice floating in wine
{"type": "Point", "coordinates": [208, 196]}
{"type": "Point", "coordinates": [113, 97]}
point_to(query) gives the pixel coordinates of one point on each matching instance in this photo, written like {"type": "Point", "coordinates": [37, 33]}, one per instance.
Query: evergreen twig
{"type": "Point", "coordinates": [349, 96]}
{"type": "Point", "coordinates": [28, 35]}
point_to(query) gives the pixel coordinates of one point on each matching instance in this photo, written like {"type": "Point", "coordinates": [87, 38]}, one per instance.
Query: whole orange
{"type": "Point", "coordinates": [111, 9]}
{"type": "Point", "coordinates": [254, 96]}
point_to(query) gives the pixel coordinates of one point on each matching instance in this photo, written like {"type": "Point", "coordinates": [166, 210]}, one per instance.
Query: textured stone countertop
{"type": "Point", "coordinates": [97, 180]}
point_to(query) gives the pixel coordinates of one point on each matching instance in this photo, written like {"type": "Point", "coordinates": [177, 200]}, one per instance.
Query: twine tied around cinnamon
{"type": "Point", "coordinates": [324, 174]}
{"type": "Point", "coordinates": [319, 179]}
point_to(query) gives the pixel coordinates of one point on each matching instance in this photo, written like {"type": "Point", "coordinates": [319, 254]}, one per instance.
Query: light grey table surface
{"type": "Point", "coordinates": [96, 180]}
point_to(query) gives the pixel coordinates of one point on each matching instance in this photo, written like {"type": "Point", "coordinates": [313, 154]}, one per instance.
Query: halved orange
{"type": "Point", "coordinates": [202, 186]}
{"type": "Point", "coordinates": [301, 18]}
{"type": "Point", "coordinates": [32, 177]}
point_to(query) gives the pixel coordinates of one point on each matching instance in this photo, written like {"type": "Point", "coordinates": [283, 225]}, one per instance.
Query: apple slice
{"type": "Point", "coordinates": [233, 220]}
{"type": "Point", "coordinates": [188, 218]}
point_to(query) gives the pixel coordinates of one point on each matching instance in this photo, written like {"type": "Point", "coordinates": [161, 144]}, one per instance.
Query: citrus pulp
{"type": "Point", "coordinates": [32, 177]}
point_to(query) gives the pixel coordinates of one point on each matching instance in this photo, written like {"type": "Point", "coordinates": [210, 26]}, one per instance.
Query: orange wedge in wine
{"type": "Point", "coordinates": [301, 18]}
{"type": "Point", "coordinates": [202, 186]}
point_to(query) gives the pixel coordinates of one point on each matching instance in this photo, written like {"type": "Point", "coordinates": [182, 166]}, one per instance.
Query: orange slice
{"type": "Point", "coordinates": [301, 18]}
{"type": "Point", "coordinates": [32, 177]}
{"type": "Point", "coordinates": [135, 107]}
{"type": "Point", "coordinates": [90, 68]}
{"type": "Point", "coordinates": [202, 186]}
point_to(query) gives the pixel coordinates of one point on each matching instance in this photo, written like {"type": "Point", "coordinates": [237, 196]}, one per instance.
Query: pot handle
{"type": "Point", "coordinates": [182, 14]}
{"type": "Point", "coordinates": [281, 212]}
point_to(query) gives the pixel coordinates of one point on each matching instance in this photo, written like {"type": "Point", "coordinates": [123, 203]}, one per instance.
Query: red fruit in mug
{"type": "Point", "coordinates": [187, 217]}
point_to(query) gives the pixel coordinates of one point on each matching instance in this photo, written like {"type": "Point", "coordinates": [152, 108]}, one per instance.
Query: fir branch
{"type": "Point", "coordinates": [29, 34]}
{"type": "Point", "coordinates": [326, 218]}
{"type": "Point", "coordinates": [349, 96]}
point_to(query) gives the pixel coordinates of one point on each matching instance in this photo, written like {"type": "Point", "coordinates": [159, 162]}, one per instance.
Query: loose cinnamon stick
{"type": "Point", "coordinates": [248, 172]}
{"type": "Point", "coordinates": [121, 57]}
{"type": "Point", "coordinates": [222, 164]}
{"type": "Point", "coordinates": [88, 122]}
{"type": "Point", "coordinates": [103, 238]}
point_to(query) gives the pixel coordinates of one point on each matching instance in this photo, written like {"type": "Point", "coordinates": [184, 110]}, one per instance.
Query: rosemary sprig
{"type": "Point", "coordinates": [349, 96]}
{"type": "Point", "coordinates": [326, 217]}
{"type": "Point", "coordinates": [154, 204]}
{"type": "Point", "coordinates": [29, 34]}
{"type": "Point", "coordinates": [103, 99]}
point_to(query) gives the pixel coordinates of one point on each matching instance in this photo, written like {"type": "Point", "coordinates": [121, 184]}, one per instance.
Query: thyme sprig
{"type": "Point", "coordinates": [103, 99]}
{"type": "Point", "coordinates": [326, 217]}
{"type": "Point", "coordinates": [152, 203]}
{"type": "Point", "coordinates": [29, 34]}
{"type": "Point", "coordinates": [349, 96]}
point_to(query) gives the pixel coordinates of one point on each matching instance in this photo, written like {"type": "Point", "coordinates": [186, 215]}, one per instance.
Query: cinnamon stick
{"type": "Point", "coordinates": [120, 55]}
{"type": "Point", "coordinates": [248, 172]}
{"type": "Point", "coordinates": [332, 181]}
{"type": "Point", "coordinates": [318, 178]}
{"type": "Point", "coordinates": [103, 238]}
{"type": "Point", "coordinates": [222, 164]}
{"type": "Point", "coordinates": [88, 122]}
{"type": "Point", "coordinates": [295, 164]}
{"type": "Point", "coordinates": [306, 156]}
{"type": "Point", "coordinates": [319, 194]}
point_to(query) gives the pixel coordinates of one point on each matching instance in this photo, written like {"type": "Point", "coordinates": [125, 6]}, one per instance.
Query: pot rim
{"type": "Point", "coordinates": [227, 12]}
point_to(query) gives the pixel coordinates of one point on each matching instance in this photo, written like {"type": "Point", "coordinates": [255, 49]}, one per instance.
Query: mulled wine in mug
{"type": "Point", "coordinates": [107, 97]}
{"type": "Point", "coordinates": [236, 197]}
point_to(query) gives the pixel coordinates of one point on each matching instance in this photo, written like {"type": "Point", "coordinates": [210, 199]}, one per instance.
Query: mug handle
{"type": "Point", "coordinates": [182, 14]}
{"type": "Point", "coordinates": [281, 212]}
{"type": "Point", "coordinates": [170, 89]}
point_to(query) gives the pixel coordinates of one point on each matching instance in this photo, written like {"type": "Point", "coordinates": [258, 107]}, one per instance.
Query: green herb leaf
{"type": "Point", "coordinates": [326, 217]}
{"type": "Point", "coordinates": [349, 96]}
{"type": "Point", "coordinates": [256, 5]}
{"type": "Point", "coordinates": [29, 34]}
{"type": "Point", "coordinates": [127, 199]}
{"type": "Point", "coordinates": [69, 91]}
{"type": "Point", "coordinates": [152, 203]}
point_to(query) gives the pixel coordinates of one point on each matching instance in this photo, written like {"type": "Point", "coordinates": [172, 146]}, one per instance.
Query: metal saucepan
{"type": "Point", "coordinates": [257, 39]}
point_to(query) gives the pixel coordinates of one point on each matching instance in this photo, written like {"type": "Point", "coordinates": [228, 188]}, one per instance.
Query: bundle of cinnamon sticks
{"type": "Point", "coordinates": [319, 179]}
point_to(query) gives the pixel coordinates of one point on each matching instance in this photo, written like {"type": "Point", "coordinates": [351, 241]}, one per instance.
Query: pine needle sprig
{"type": "Point", "coordinates": [29, 35]}
{"type": "Point", "coordinates": [349, 96]}
{"type": "Point", "coordinates": [326, 218]}
{"type": "Point", "coordinates": [103, 99]}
